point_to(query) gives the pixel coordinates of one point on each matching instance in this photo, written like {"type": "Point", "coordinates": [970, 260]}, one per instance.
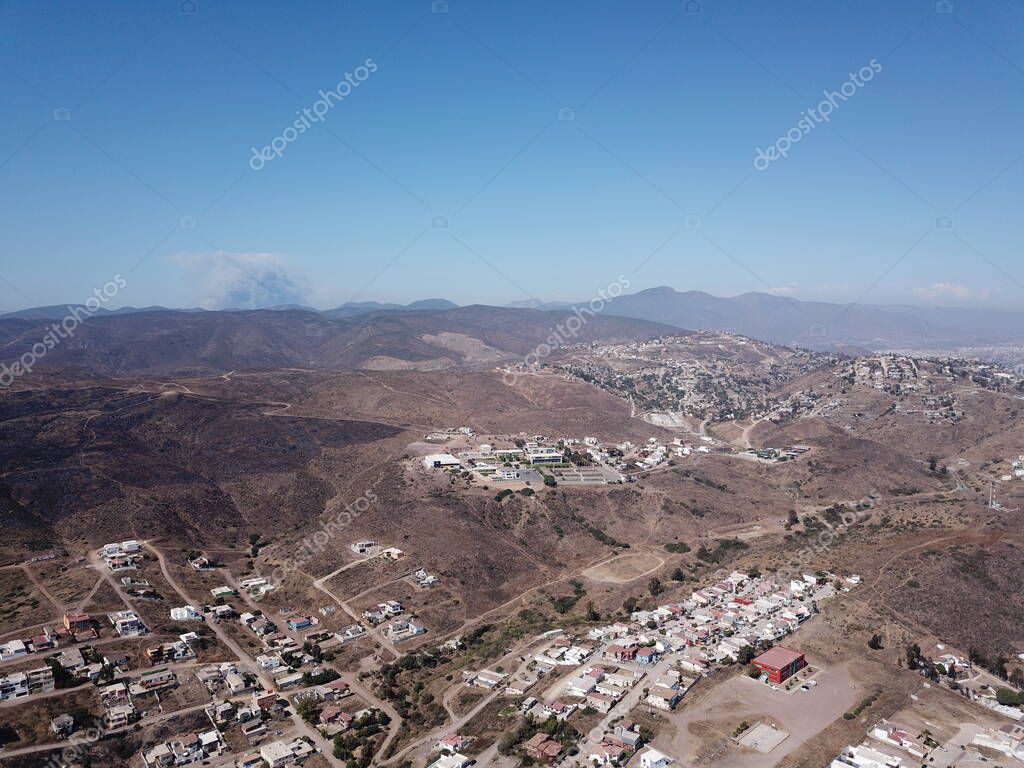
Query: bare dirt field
{"type": "Point", "coordinates": [65, 580]}
{"type": "Point", "coordinates": [625, 568]}
{"type": "Point", "coordinates": [22, 604]}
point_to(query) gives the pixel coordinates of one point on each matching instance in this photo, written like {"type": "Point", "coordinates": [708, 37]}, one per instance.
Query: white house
{"type": "Point", "coordinates": [451, 761]}
{"type": "Point", "coordinates": [652, 758]}
{"type": "Point", "coordinates": [186, 613]}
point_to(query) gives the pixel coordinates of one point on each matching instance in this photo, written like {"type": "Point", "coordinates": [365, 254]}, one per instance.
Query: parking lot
{"type": "Point", "coordinates": [800, 714]}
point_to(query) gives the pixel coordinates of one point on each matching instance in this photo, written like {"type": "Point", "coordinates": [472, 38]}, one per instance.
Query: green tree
{"type": "Point", "coordinates": [1008, 697]}
{"type": "Point", "coordinates": [307, 709]}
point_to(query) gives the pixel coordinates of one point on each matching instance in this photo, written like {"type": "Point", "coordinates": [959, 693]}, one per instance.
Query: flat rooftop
{"type": "Point", "coordinates": [778, 657]}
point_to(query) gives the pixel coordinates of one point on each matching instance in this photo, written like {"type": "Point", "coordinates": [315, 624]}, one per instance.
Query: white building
{"type": "Point", "coordinates": [451, 761]}
{"type": "Point", "coordinates": [865, 757]}
{"type": "Point", "coordinates": [652, 758]}
{"type": "Point", "coordinates": [186, 613]}
{"type": "Point", "coordinates": [440, 461]}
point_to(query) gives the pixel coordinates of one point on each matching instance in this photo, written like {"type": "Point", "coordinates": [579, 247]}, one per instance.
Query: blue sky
{"type": "Point", "coordinates": [150, 177]}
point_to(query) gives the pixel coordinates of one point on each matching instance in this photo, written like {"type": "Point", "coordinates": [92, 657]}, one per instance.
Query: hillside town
{"type": "Point", "coordinates": [705, 375]}
{"type": "Point", "coordinates": [738, 634]}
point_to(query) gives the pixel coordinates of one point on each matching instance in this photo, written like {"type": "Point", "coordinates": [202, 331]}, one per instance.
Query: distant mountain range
{"type": "Point", "coordinates": [393, 334]}
{"type": "Point", "coordinates": [817, 324]}
{"type": "Point", "coordinates": [59, 311]}
{"type": "Point", "coordinates": [821, 325]}
{"type": "Point", "coordinates": [169, 342]}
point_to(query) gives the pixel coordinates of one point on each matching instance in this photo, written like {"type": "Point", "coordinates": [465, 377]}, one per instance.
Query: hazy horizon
{"type": "Point", "coordinates": [214, 157]}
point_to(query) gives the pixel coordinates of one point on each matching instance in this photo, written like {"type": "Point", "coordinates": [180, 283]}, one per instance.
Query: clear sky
{"type": "Point", "coordinates": [126, 148]}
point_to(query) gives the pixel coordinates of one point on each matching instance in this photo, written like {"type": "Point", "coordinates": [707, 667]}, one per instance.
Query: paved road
{"type": "Point", "coordinates": [621, 707]}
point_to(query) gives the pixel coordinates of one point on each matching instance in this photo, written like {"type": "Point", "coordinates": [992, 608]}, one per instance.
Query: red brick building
{"type": "Point", "coordinates": [77, 623]}
{"type": "Point", "coordinates": [780, 663]}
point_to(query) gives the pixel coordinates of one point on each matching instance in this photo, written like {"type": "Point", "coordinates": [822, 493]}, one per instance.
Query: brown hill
{"type": "Point", "coordinates": [201, 343]}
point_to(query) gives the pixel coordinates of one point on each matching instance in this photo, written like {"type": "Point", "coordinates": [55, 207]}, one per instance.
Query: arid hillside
{"type": "Point", "coordinates": [201, 343]}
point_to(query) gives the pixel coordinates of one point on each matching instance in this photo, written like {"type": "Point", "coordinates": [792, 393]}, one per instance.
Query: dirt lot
{"type": "Point", "coordinates": [21, 604]}
{"type": "Point", "coordinates": [31, 720]}
{"type": "Point", "coordinates": [704, 726]}
{"type": "Point", "coordinates": [625, 568]}
{"type": "Point", "coordinates": [104, 600]}
{"type": "Point", "coordinates": [490, 723]}
{"type": "Point", "coordinates": [369, 574]}
{"type": "Point", "coordinates": [67, 581]}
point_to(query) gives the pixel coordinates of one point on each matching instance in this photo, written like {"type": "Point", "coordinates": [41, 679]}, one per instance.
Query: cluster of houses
{"type": "Point", "coordinates": [121, 556]}
{"type": "Point", "coordinates": [505, 463]}
{"type": "Point", "coordinates": [127, 623]}
{"type": "Point", "coordinates": [425, 580]}
{"type": "Point", "coordinates": [600, 687]}
{"type": "Point", "coordinates": [75, 628]}
{"type": "Point", "coordinates": [78, 662]}
{"type": "Point", "coordinates": [667, 649]}
{"type": "Point", "coordinates": [253, 715]}
{"type": "Point", "coordinates": [255, 586]}
{"type": "Point", "coordinates": [17, 685]}
{"type": "Point", "coordinates": [46, 640]}
{"type": "Point", "coordinates": [185, 749]}
{"type": "Point", "coordinates": [369, 549]}
{"type": "Point", "coordinates": [889, 745]}
{"type": "Point", "coordinates": [396, 629]}
{"type": "Point", "coordinates": [283, 658]}
{"type": "Point", "coordinates": [229, 676]}
{"type": "Point", "coordinates": [119, 698]}
{"type": "Point", "coordinates": [883, 370]}
{"type": "Point", "coordinates": [715, 624]}
{"type": "Point", "coordinates": [73, 660]}
{"type": "Point", "coordinates": [383, 611]}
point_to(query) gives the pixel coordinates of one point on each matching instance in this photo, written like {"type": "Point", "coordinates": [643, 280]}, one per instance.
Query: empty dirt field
{"type": "Point", "coordinates": [625, 568]}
